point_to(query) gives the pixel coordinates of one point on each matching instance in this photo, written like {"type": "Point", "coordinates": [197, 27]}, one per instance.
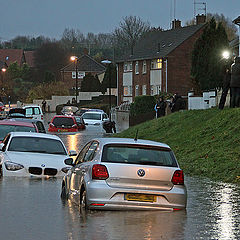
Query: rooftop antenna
{"type": "Point", "coordinates": [136, 136]}
{"type": "Point", "coordinates": [203, 6]}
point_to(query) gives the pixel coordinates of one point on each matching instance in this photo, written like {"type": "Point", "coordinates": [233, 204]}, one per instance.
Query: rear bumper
{"type": "Point", "coordinates": [114, 198]}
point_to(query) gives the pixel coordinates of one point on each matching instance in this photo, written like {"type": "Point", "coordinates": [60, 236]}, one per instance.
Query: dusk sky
{"type": "Point", "coordinates": [49, 18]}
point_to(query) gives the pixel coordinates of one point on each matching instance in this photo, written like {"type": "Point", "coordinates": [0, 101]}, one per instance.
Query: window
{"type": "Point", "coordinates": [127, 66]}
{"type": "Point", "coordinates": [144, 90]}
{"type": "Point", "coordinates": [144, 70]}
{"type": "Point", "coordinates": [73, 74]}
{"type": "Point", "coordinates": [137, 90]}
{"type": "Point", "coordinates": [152, 90]}
{"type": "Point", "coordinates": [80, 75]}
{"type": "Point", "coordinates": [156, 63]}
{"type": "Point", "coordinates": [136, 68]}
{"type": "Point", "coordinates": [91, 152]}
{"type": "Point", "coordinates": [127, 91]}
{"type": "Point", "coordinates": [81, 155]}
{"type": "Point", "coordinates": [36, 110]}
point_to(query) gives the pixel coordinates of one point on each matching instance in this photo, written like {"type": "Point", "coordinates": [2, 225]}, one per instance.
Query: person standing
{"type": "Point", "coordinates": [44, 104]}
{"type": "Point", "coordinates": [160, 107]}
{"type": "Point", "coordinates": [225, 88]}
{"type": "Point", "coordinates": [235, 83]}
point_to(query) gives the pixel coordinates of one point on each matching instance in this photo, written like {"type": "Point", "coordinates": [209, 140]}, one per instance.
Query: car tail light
{"type": "Point", "coordinates": [99, 172]}
{"type": "Point", "coordinates": [178, 177]}
{"type": "Point", "coordinates": [41, 117]}
{"type": "Point", "coordinates": [97, 204]}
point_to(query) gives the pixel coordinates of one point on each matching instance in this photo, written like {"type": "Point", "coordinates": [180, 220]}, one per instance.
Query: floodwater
{"type": "Point", "coordinates": [32, 209]}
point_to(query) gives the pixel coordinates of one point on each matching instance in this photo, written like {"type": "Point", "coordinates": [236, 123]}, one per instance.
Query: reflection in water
{"type": "Point", "coordinates": [72, 141]}
{"type": "Point", "coordinates": [120, 225]}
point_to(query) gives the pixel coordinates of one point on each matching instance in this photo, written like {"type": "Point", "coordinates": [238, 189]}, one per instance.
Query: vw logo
{"type": "Point", "coordinates": [43, 165]}
{"type": "Point", "coordinates": [141, 172]}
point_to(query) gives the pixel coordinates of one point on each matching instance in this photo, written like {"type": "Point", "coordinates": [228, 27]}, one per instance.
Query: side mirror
{"type": "Point", "coordinates": [69, 161]}
{"type": "Point", "coordinates": [72, 153]}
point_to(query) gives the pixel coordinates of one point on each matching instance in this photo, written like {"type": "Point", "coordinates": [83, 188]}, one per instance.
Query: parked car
{"type": "Point", "coordinates": [63, 123]}
{"type": "Point", "coordinates": [122, 173]}
{"type": "Point", "coordinates": [33, 154]}
{"type": "Point", "coordinates": [10, 125]}
{"type": "Point", "coordinates": [80, 122]}
{"type": "Point", "coordinates": [16, 113]}
{"type": "Point", "coordinates": [2, 107]}
{"type": "Point", "coordinates": [38, 123]}
{"type": "Point", "coordinates": [69, 110]}
{"type": "Point", "coordinates": [33, 111]}
{"type": "Point", "coordinates": [94, 117]}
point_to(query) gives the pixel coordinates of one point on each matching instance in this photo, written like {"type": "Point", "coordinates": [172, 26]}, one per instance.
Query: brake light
{"type": "Point", "coordinates": [99, 172]}
{"type": "Point", "coordinates": [41, 117]}
{"type": "Point", "coordinates": [178, 177]}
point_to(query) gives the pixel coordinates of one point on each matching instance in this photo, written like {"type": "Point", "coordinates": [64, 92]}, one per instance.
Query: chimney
{"type": "Point", "coordinates": [200, 19]}
{"type": "Point", "coordinates": [176, 24]}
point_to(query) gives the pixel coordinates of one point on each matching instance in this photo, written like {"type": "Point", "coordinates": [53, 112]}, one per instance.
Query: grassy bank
{"type": "Point", "coordinates": [205, 142]}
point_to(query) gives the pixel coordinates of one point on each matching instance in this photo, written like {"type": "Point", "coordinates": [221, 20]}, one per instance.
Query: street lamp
{"type": "Point", "coordinates": [75, 60]}
{"type": "Point", "coordinates": [226, 54]}
{"type": "Point", "coordinates": [107, 62]}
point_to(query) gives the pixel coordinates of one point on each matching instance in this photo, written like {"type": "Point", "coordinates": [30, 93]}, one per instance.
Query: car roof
{"type": "Point", "coordinates": [63, 116]}
{"type": "Point", "coordinates": [33, 134]}
{"type": "Point", "coordinates": [30, 106]}
{"type": "Point", "coordinates": [105, 141]}
{"type": "Point", "coordinates": [14, 122]}
{"type": "Point", "coordinates": [30, 120]}
{"type": "Point", "coordinates": [98, 112]}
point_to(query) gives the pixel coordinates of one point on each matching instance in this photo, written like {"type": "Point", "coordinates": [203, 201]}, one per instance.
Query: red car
{"type": "Point", "coordinates": [8, 125]}
{"type": "Point", "coordinates": [63, 123]}
{"type": "Point", "coordinates": [2, 107]}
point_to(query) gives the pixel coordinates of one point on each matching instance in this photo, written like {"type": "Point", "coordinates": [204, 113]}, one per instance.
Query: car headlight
{"type": "Point", "coordinates": [11, 166]}
{"type": "Point", "coordinates": [65, 169]}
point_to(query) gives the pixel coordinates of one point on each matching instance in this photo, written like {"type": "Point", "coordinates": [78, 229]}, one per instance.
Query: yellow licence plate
{"type": "Point", "coordinates": [63, 130]}
{"type": "Point", "coordinates": [140, 197]}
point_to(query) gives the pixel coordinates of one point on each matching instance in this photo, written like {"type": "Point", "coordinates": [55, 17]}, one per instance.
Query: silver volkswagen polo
{"type": "Point", "coordinates": [122, 173]}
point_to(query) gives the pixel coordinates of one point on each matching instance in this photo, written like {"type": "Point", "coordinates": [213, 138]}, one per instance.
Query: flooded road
{"type": "Point", "coordinates": [32, 209]}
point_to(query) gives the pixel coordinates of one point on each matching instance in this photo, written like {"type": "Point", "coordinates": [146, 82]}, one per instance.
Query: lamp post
{"type": "Point", "coordinates": [237, 22]}
{"type": "Point", "coordinates": [75, 60]}
{"type": "Point", "coordinates": [107, 62]}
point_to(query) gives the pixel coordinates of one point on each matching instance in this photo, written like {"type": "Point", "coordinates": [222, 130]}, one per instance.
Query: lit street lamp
{"type": "Point", "coordinates": [75, 60]}
{"type": "Point", "coordinates": [107, 62]}
{"type": "Point", "coordinates": [226, 54]}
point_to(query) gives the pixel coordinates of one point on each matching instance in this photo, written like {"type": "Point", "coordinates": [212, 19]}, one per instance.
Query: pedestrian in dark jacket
{"type": "Point", "coordinates": [235, 83]}
{"type": "Point", "coordinates": [225, 88]}
{"type": "Point", "coordinates": [160, 107]}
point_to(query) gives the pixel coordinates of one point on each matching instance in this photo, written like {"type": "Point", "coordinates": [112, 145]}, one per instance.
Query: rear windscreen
{"type": "Point", "coordinates": [92, 116]}
{"type": "Point", "coordinates": [5, 129]}
{"type": "Point", "coordinates": [58, 122]}
{"type": "Point", "coordinates": [136, 154]}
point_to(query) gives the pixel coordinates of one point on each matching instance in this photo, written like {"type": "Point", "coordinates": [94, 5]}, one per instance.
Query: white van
{"type": "Point", "coordinates": [34, 111]}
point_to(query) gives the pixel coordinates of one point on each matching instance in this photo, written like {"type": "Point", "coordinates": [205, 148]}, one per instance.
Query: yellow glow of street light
{"type": "Point", "coordinates": [73, 58]}
{"type": "Point", "coordinates": [226, 54]}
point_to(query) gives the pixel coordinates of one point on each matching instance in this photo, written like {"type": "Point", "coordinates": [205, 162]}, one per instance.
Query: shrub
{"type": "Point", "coordinates": [142, 104]}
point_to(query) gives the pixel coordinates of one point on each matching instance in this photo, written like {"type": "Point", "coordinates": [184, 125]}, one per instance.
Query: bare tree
{"type": "Point", "coordinates": [129, 32]}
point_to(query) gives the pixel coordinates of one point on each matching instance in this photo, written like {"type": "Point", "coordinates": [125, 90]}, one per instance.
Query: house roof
{"type": "Point", "coordinates": [12, 55]}
{"type": "Point", "coordinates": [29, 56]}
{"type": "Point", "coordinates": [158, 44]}
{"type": "Point", "coordinates": [85, 63]}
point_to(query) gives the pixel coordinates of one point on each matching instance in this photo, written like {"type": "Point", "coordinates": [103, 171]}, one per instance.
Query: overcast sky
{"type": "Point", "coordinates": [49, 18]}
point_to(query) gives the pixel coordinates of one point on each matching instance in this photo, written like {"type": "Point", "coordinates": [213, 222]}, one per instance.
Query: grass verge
{"type": "Point", "coordinates": [205, 142]}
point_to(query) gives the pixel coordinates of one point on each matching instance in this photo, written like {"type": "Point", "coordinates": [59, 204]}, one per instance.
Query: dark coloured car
{"type": "Point", "coordinates": [63, 123]}
{"type": "Point", "coordinates": [80, 123]}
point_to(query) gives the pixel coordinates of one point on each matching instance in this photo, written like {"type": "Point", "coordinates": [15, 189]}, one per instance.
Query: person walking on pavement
{"type": "Point", "coordinates": [235, 83]}
{"type": "Point", "coordinates": [177, 103]}
{"type": "Point", "coordinates": [225, 88]}
{"type": "Point", "coordinates": [160, 107]}
{"type": "Point", "coordinates": [44, 104]}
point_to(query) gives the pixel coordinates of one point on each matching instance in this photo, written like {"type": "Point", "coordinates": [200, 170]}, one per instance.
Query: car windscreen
{"type": "Point", "coordinates": [92, 116]}
{"type": "Point", "coordinates": [36, 144]}
{"type": "Point", "coordinates": [138, 154]}
{"type": "Point", "coordinates": [63, 121]}
{"type": "Point", "coordinates": [5, 129]}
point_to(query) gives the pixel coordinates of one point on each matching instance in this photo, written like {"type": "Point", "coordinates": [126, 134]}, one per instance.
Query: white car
{"type": "Point", "coordinates": [33, 154]}
{"type": "Point", "coordinates": [33, 111]}
{"type": "Point", "coordinates": [94, 117]}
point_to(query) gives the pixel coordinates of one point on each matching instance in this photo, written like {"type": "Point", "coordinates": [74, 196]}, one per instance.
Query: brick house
{"type": "Point", "coordinates": [161, 62]}
{"type": "Point", "coordinates": [85, 65]}
{"type": "Point", "coordinates": [20, 56]}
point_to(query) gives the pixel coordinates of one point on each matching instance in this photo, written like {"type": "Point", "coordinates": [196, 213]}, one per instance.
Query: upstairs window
{"type": "Point", "coordinates": [144, 69]}
{"type": "Point", "coordinates": [156, 63]}
{"type": "Point", "coordinates": [127, 67]}
{"type": "Point", "coordinates": [137, 68]}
